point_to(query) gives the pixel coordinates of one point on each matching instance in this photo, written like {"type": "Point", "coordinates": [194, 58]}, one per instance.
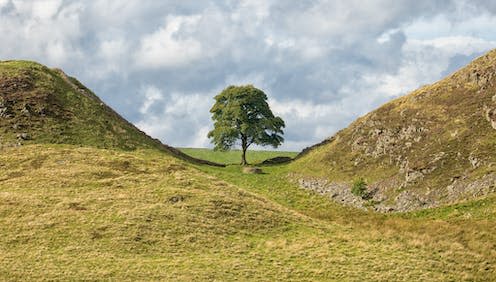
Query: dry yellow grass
{"type": "Point", "coordinates": [71, 213]}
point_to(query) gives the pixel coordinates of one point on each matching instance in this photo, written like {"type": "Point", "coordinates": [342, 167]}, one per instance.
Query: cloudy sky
{"type": "Point", "coordinates": [322, 63]}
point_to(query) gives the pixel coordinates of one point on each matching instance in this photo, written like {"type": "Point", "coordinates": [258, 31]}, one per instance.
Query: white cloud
{"type": "Point", "coordinates": [41, 9]}
{"type": "Point", "coordinates": [424, 61]}
{"type": "Point", "coordinates": [46, 9]}
{"type": "Point", "coordinates": [179, 119]}
{"type": "Point", "coordinates": [3, 3]}
{"type": "Point", "coordinates": [45, 31]}
{"type": "Point", "coordinates": [201, 140]}
{"type": "Point", "coordinates": [308, 120]}
{"type": "Point", "coordinates": [387, 35]}
{"type": "Point", "coordinates": [322, 63]}
{"type": "Point", "coordinates": [152, 95]}
{"type": "Point", "coordinates": [113, 49]}
{"type": "Point", "coordinates": [167, 47]}
{"type": "Point", "coordinates": [451, 45]}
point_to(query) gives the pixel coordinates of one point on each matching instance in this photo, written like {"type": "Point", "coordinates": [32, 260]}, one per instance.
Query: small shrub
{"type": "Point", "coordinates": [359, 188]}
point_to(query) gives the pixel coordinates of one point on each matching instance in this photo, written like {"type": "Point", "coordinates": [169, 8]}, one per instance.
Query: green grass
{"type": "Point", "coordinates": [71, 213]}
{"type": "Point", "coordinates": [234, 156]}
{"type": "Point", "coordinates": [62, 111]}
{"type": "Point", "coordinates": [433, 233]}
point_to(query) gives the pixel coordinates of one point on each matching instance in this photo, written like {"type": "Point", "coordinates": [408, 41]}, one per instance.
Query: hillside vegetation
{"type": "Point", "coordinates": [72, 213]}
{"type": "Point", "coordinates": [435, 146]}
{"type": "Point", "coordinates": [39, 105]}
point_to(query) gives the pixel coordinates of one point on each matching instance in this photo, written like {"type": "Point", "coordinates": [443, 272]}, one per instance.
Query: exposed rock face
{"type": "Point", "coordinates": [382, 141]}
{"type": "Point", "coordinates": [338, 192]}
{"type": "Point", "coordinates": [5, 108]}
{"type": "Point", "coordinates": [377, 200]}
{"type": "Point", "coordinates": [490, 113]}
{"type": "Point", "coordinates": [462, 189]}
{"type": "Point", "coordinates": [15, 84]}
{"type": "Point", "coordinates": [474, 161]}
{"type": "Point", "coordinates": [413, 175]}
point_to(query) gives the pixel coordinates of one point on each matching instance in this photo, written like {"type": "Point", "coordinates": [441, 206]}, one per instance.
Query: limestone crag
{"type": "Point", "coordinates": [377, 195]}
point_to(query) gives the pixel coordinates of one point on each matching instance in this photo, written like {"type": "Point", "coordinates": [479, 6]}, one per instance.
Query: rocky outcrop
{"type": "Point", "coordinates": [20, 83]}
{"type": "Point", "coordinates": [490, 113]}
{"type": "Point", "coordinates": [379, 194]}
{"type": "Point", "coordinates": [23, 136]}
{"type": "Point", "coordinates": [474, 161]}
{"type": "Point", "coordinates": [376, 196]}
{"type": "Point", "coordinates": [372, 138]}
{"type": "Point", "coordinates": [5, 108]}
{"type": "Point", "coordinates": [338, 192]}
{"type": "Point", "coordinates": [463, 189]}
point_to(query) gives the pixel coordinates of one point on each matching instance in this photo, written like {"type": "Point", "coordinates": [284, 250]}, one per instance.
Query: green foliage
{"type": "Point", "coordinates": [359, 188]}
{"type": "Point", "coordinates": [242, 113]}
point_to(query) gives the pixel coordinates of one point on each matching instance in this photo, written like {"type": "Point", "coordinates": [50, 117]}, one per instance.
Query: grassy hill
{"type": "Point", "coordinates": [435, 146]}
{"type": "Point", "coordinates": [73, 213]}
{"type": "Point", "coordinates": [50, 107]}
{"type": "Point", "coordinates": [39, 105]}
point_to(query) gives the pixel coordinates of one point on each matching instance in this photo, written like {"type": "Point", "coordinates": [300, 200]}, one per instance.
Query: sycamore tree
{"type": "Point", "coordinates": [243, 117]}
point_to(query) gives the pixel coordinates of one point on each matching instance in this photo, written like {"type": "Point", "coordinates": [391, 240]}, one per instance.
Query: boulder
{"type": "Point", "coordinates": [23, 136]}
{"type": "Point", "coordinates": [252, 170]}
{"type": "Point", "coordinates": [474, 161]}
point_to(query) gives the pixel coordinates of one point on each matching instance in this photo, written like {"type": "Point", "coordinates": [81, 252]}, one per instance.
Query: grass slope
{"type": "Point", "coordinates": [49, 107]}
{"type": "Point", "coordinates": [53, 108]}
{"type": "Point", "coordinates": [437, 137]}
{"type": "Point", "coordinates": [449, 243]}
{"type": "Point", "coordinates": [234, 156]}
{"type": "Point", "coordinates": [71, 213]}
{"type": "Point", "coordinates": [98, 214]}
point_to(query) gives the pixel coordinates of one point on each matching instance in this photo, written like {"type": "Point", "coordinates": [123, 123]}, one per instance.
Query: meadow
{"type": "Point", "coordinates": [80, 213]}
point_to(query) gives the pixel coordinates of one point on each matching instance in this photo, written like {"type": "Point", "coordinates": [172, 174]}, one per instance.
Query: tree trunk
{"type": "Point", "coordinates": [244, 146]}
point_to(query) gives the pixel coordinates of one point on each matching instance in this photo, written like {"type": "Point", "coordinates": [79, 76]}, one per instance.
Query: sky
{"type": "Point", "coordinates": [321, 63]}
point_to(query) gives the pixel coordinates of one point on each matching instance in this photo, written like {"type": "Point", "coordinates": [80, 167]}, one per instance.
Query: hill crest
{"type": "Point", "coordinates": [42, 105]}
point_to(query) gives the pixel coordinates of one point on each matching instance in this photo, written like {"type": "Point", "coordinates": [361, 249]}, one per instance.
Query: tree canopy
{"type": "Point", "coordinates": [242, 114]}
